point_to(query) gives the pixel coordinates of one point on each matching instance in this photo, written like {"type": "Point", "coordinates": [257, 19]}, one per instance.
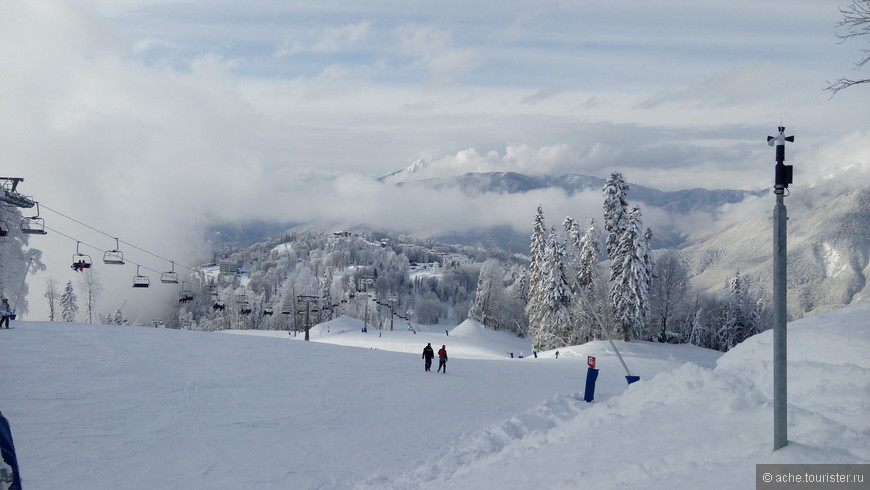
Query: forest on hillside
{"type": "Point", "coordinates": [574, 286]}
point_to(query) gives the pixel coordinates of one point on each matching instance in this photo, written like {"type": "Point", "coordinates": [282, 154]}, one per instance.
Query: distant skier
{"type": "Point", "coordinates": [428, 354]}
{"type": "Point", "coordinates": [5, 312]}
{"type": "Point", "coordinates": [442, 359]}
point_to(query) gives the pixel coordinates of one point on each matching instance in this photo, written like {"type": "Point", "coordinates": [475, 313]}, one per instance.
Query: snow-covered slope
{"type": "Point", "coordinates": [828, 252]}
{"type": "Point", "coordinates": [105, 407]}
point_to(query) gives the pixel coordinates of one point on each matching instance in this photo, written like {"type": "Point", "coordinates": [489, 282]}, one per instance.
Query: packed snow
{"type": "Point", "coordinates": [108, 407]}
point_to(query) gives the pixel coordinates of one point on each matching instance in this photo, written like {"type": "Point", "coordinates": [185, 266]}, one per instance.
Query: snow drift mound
{"type": "Point", "coordinates": [686, 428]}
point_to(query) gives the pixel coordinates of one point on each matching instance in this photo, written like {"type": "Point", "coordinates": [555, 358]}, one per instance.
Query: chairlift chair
{"type": "Point", "coordinates": [114, 257]}
{"type": "Point", "coordinates": [4, 228]}
{"type": "Point", "coordinates": [287, 308]}
{"type": "Point", "coordinates": [33, 225]}
{"type": "Point", "coordinates": [185, 295]}
{"type": "Point", "coordinates": [268, 310]}
{"type": "Point", "coordinates": [169, 277]}
{"type": "Point", "coordinates": [140, 281]}
{"type": "Point", "coordinates": [245, 309]}
{"type": "Point", "coordinates": [81, 261]}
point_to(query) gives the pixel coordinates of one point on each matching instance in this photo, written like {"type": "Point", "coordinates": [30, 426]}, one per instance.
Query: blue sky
{"type": "Point", "coordinates": [179, 114]}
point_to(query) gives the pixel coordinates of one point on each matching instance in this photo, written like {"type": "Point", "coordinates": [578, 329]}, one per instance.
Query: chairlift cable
{"type": "Point", "coordinates": [97, 248]}
{"type": "Point", "coordinates": [116, 238]}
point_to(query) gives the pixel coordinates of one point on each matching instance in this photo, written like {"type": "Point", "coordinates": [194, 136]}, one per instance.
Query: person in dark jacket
{"type": "Point", "coordinates": [5, 312]}
{"type": "Point", "coordinates": [9, 477]}
{"type": "Point", "coordinates": [428, 354]}
{"type": "Point", "coordinates": [442, 359]}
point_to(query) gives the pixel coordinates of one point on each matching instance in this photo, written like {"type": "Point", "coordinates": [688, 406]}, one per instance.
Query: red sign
{"type": "Point", "coordinates": [590, 361]}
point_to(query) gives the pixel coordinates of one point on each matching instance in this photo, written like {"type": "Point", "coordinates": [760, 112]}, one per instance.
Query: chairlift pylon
{"type": "Point", "coordinates": [9, 193]}
{"type": "Point", "coordinates": [114, 257]}
{"type": "Point", "coordinates": [169, 277]}
{"type": "Point", "coordinates": [81, 261]}
{"type": "Point", "coordinates": [140, 281]}
{"type": "Point", "coordinates": [33, 225]}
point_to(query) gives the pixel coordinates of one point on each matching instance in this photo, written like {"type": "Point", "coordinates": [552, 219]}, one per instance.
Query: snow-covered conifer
{"type": "Point", "coordinates": [573, 241]}
{"type": "Point", "coordinates": [590, 248]}
{"type": "Point", "coordinates": [555, 320]}
{"type": "Point", "coordinates": [326, 293]}
{"type": "Point", "coordinates": [69, 307]}
{"type": "Point", "coordinates": [742, 314]}
{"type": "Point", "coordinates": [629, 289]}
{"type": "Point", "coordinates": [615, 211]}
{"type": "Point", "coordinates": [489, 298]}
{"type": "Point", "coordinates": [586, 320]}
{"type": "Point", "coordinates": [537, 291]}
{"type": "Point", "coordinates": [516, 298]}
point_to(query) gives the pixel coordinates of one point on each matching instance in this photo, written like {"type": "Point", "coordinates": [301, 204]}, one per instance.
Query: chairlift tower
{"type": "Point", "coordinates": [10, 194]}
{"type": "Point", "coordinates": [307, 299]}
{"type": "Point", "coordinates": [782, 178]}
{"type": "Point", "coordinates": [366, 281]}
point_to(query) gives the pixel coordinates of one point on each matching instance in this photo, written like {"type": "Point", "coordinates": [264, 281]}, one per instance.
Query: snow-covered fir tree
{"type": "Point", "coordinates": [573, 241]}
{"type": "Point", "coordinates": [742, 315]}
{"type": "Point", "coordinates": [489, 298]}
{"type": "Point", "coordinates": [590, 249]}
{"type": "Point", "coordinates": [516, 297]}
{"type": "Point", "coordinates": [326, 293]}
{"type": "Point", "coordinates": [69, 307]}
{"type": "Point", "coordinates": [557, 297]}
{"type": "Point", "coordinates": [629, 289]}
{"type": "Point", "coordinates": [115, 318]}
{"type": "Point", "coordinates": [587, 309]}
{"type": "Point", "coordinates": [537, 290]}
{"type": "Point", "coordinates": [615, 211]}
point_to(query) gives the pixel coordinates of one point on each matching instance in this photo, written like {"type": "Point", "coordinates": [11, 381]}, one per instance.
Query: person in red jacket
{"type": "Point", "coordinates": [442, 359]}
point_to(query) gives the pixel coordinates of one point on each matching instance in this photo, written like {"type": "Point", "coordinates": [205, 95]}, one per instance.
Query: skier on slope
{"type": "Point", "coordinates": [5, 312]}
{"type": "Point", "coordinates": [428, 354]}
{"type": "Point", "coordinates": [442, 359]}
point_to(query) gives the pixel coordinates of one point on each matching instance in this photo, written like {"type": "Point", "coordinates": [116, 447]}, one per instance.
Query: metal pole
{"type": "Point", "coordinates": [780, 374]}
{"type": "Point", "coordinates": [782, 178]}
{"type": "Point", "coordinates": [307, 318]}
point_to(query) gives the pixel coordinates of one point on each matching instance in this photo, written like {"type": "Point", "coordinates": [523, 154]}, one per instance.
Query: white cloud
{"type": "Point", "coordinates": [153, 44]}
{"type": "Point", "coordinates": [325, 40]}
{"type": "Point", "coordinates": [435, 50]}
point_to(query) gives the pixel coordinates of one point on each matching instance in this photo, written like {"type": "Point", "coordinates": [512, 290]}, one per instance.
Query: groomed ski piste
{"type": "Point", "coordinates": [109, 407]}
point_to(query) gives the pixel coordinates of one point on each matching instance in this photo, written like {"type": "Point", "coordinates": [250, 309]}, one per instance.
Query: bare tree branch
{"type": "Point", "coordinates": [856, 21]}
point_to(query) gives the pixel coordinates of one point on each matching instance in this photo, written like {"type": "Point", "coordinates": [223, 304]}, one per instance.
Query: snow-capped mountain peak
{"type": "Point", "coordinates": [408, 173]}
